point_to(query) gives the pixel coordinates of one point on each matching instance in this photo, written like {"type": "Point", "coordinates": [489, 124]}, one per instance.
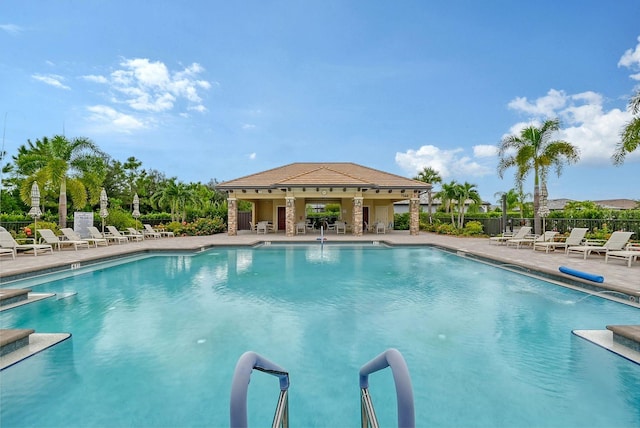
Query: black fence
{"type": "Point", "coordinates": [495, 226]}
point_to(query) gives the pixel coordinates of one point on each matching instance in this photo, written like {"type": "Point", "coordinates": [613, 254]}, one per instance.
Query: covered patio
{"type": "Point", "coordinates": [281, 196]}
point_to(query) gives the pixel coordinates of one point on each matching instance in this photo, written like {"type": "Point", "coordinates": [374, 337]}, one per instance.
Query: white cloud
{"type": "Point", "coordinates": [109, 119]}
{"type": "Point", "coordinates": [485, 151]}
{"type": "Point", "coordinates": [52, 80]}
{"type": "Point", "coordinates": [252, 156]}
{"type": "Point", "coordinates": [584, 122]}
{"type": "Point", "coordinates": [543, 106]}
{"type": "Point", "coordinates": [12, 29]}
{"type": "Point", "coordinates": [95, 79]}
{"type": "Point", "coordinates": [248, 126]}
{"type": "Point", "coordinates": [150, 86]}
{"type": "Point", "coordinates": [449, 163]}
{"type": "Point", "coordinates": [631, 57]}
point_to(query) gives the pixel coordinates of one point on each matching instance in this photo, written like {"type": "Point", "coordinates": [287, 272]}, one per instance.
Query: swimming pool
{"type": "Point", "coordinates": [155, 342]}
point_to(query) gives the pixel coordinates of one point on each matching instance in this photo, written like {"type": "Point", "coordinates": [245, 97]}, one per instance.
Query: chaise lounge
{"type": "Point", "coordinates": [616, 242]}
{"type": "Point", "coordinates": [575, 238]}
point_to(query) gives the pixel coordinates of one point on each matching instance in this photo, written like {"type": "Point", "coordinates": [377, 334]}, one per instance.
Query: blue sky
{"type": "Point", "coordinates": [217, 89]}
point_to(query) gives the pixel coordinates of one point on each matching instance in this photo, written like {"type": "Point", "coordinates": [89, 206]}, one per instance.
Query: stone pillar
{"type": "Point", "coordinates": [414, 216]}
{"type": "Point", "coordinates": [357, 216]}
{"type": "Point", "coordinates": [232, 217]}
{"type": "Point", "coordinates": [290, 215]}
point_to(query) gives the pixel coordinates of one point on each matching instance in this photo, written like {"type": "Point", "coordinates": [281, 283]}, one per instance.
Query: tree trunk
{"type": "Point", "coordinates": [62, 205]}
{"type": "Point", "coordinates": [429, 204]}
{"type": "Point", "coordinates": [537, 226]}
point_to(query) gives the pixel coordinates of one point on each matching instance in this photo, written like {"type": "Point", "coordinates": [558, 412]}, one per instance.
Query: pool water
{"type": "Point", "coordinates": [155, 342]}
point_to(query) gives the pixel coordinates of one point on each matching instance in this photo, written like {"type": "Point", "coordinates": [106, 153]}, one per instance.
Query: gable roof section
{"type": "Point", "coordinates": [318, 174]}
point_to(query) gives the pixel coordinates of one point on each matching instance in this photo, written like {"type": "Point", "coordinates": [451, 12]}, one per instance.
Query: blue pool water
{"type": "Point", "coordinates": [155, 342]}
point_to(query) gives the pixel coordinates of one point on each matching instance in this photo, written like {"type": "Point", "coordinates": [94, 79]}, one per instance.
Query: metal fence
{"type": "Point", "coordinates": [495, 226]}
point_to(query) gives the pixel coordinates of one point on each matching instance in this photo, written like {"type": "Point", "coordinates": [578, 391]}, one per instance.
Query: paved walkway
{"type": "Point", "coordinates": [617, 276]}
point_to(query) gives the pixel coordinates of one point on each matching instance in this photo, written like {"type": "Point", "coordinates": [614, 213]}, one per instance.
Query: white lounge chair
{"type": "Point", "coordinates": [53, 240]}
{"type": "Point", "coordinates": [8, 251]}
{"type": "Point", "coordinates": [301, 228]}
{"type": "Point", "coordinates": [630, 254]}
{"type": "Point", "coordinates": [150, 232]}
{"type": "Point", "coordinates": [616, 242]}
{"type": "Point", "coordinates": [96, 234]}
{"type": "Point", "coordinates": [133, 234]}
{"type": "Point", "coordinates": [115, 235]}
{"type": "Point", "coordinates": [71, 235]}
{"type": "Point", "coordinates": [502, 239]}
{"type": "Point", "coordinates": [575, 238]}
{"type": "Point", "coordinates": [7, 241]}
{"type": "Point", "coordinates": [531, 240]}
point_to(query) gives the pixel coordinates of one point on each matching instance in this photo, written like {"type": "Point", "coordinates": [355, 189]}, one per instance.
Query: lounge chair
{"type": "Point", "coordinates": [301, 228]}
{"type": "Point", "coordinates": [94, 232]}
{"type": "Point", "coordinates": [132, 234]}
{"type": "Point", "coordinates": [149, 232]}
{"type": "Point", "coordinates": [616, 242]}
{"type": "Point", "coordinates": [7, 241]}
{"type": "Point", "coordinates": [7, 251]}
{"type": "Point", "coordinates": [521, 233]}
{"type": "Point", "coordinates": [71, 235]}
{"type": "Point", "coordinates": [53, 240]}
{"type": "Point", "coordinates": [115, 235]}
{"type": "Point", "coordinates": [575, 238]}
{"type": "Point", "coordinates": [630, 254]}
{"type": "Point", "coordinates": [531, 239]}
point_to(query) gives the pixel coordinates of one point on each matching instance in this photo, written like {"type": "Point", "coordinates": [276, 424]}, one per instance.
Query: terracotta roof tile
{"type": "Point", "coordinates": [324, 174]}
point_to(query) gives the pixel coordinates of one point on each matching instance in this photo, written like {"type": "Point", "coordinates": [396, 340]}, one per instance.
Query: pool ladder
{"type": "Point", "coordinates": [389, 358]}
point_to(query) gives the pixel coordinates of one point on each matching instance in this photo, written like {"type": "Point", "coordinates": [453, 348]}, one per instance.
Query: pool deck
{"type": "Point", "coordinates": [621, 283]}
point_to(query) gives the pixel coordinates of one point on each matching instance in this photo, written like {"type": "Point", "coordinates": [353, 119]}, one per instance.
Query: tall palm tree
{"type": "Point", "coordinates": [511, 198]}
{"type": "Point", "coordinates": [630, 135]}
{"type": "Point", "coordinates": [75, 165]}
{"type": "Point", "coordinates": [431, 176]}
{"type": "Point", "coordinates": [175, 196]}
{"type": "Point", "coordinates": [534, 151]}
{"type": "Point", "coordinates": [466, 192]}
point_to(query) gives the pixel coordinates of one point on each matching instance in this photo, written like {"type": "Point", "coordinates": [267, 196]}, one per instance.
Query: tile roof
{"type": "Point", "coordinates": [323, 174]}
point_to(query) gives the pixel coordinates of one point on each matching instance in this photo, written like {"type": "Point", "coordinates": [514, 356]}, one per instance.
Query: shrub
{"type": "Point", "coordinates": [446, 229]}
{"type": "Point", "coordinates": [472, 228]}
{"type": "Point", "coordinates": [203, 227]}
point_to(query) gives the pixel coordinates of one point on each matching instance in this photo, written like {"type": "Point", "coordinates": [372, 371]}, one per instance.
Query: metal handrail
{"type": "Point", "coordinates": [240, 385]}
{"type": "Point", "coordinates": [404, 391]}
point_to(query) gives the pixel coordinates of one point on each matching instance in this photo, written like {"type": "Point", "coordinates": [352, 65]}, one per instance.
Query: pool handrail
{"type": "Point", "coordinates": [240, 385]}
{"type": "Point", "coordinates": [404, 391]}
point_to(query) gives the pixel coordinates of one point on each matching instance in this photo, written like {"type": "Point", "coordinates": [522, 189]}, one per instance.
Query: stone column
{"type": "Point", "coordinates": [414, 216]}
{"type": "Point", "coordinates": [232, 217]}
{"type": "Point", "coordinates": [290, 215]}
{"type": "Point", "coordinates": [357, 216]}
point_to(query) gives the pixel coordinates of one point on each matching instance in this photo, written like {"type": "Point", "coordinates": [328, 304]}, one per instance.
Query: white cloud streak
{"type": "Point", "coordinates": [11, 29]}
{"type": "Point", "coordinates": [110, 119]}
{"type": "Point", "coordinates": [449, 163]}
{"type": "Point", "coordinates": [52, 80]}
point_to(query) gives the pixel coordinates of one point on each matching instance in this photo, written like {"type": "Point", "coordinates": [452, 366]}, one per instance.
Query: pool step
{"type": "Point", "coordinates": [9, 296]}
{"type": "Point", "coordinates": [14, 339]}
{"type": "Point", "coordinates": [626, 335]}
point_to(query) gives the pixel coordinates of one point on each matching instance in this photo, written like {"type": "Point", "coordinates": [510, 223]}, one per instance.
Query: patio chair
{"type": "Point", "coordinates": [149, 231]}
{"type": "Point", "coordinates": [380, 227]}
{"type": "Point", "coordinates": [630, 254]}
{"type": "Point", "coordinates": [341, 227]}
{"type": "Point", "coordinates": [502, 239]}
{"type": "Point", "coordinates": [531, 239]}
{"type": "Point", "coordinates": [616, 242]}
{"type": "Point", "coordinates": [53, 240]}
{"type": "Point", "coordinates": [575, 238]}
{"type": "Point", "coordinates": [7, 241]}
{"type": "Point", "coordinates": [71, 235]}
{"type": "Point", "coordinates": [8, 251]}
{"type": "Point", "coordinates": [132, 234]}
{"type": "Point", "coordinates": [114, 234]}
{"type": "Point", "coordinates": [262, 227]}
{"type": "Point", "coordinates": [301, 228]}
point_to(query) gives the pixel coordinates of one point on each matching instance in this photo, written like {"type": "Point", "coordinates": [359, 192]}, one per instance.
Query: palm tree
{"type": "Point", "coordinates": [175, 196]}
{"type": "Point", "coordinates": [630, 135]}
{"type": "Point", "coordinates": [431, 176]}
{"type": "Point", "coordinates": [511, 198]}
{"type": "Point", "coordinates": [448, 194]}
{"type": "Point", "coordinates": [533, 150]}
{"type": "Point", "coordinates": [466, 192]}
{"type": "Point", "coordinates": [75, 165]}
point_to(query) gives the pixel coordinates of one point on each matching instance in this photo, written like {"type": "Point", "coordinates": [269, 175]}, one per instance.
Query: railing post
{"type": "Point", "coordinates": [404, 391]}
{"type": "Point", "coordinates": [240, 385]}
